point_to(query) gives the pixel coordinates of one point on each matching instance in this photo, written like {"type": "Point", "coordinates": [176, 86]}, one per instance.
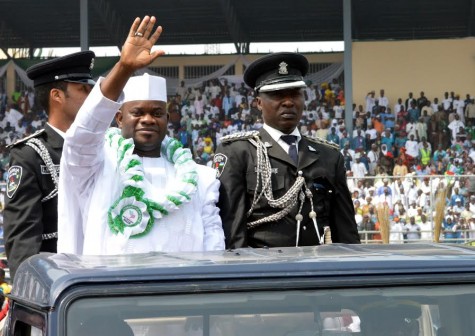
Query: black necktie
{"type": "Point", "coordinates": [291, 140]}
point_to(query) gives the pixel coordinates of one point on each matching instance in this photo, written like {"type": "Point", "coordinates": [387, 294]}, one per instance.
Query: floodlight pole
{"type": "Point", "coordinates": [83, 24]}
{"type": "Point", "coordinates": [348, 68]}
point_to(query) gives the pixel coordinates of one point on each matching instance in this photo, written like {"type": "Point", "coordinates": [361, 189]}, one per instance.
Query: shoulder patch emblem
{"type": "Point", "coordinates": [219, 162]}
{"type": "Point", "coordinates": [13, 180]}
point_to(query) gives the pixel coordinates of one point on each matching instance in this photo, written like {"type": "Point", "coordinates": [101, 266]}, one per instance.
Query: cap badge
{"type": "Point", "coordinates": [283, 68]}
{"type": "Point", "coordinates": [92, 64]}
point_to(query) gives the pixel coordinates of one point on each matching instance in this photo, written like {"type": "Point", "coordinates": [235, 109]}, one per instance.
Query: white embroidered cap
{"type": "Point", "coordinates": [145, 87]}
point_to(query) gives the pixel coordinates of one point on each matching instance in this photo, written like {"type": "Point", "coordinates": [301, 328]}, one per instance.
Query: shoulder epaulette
{"type": "Point", "coordinates": [239, 136]}
{"type": "Point", "coordinates": [321, 141]}
{"type": "Point", "coordinates": [25, 139]}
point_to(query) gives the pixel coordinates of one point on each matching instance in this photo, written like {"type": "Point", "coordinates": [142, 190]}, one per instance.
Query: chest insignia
{"type": "Point", "coordinates": [45, 171]}
{"type": "Point", "coordinates": [272, 170]}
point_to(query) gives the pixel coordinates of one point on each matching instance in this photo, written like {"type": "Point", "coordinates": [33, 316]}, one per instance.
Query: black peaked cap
{"type": "Point", "coordinates": [277, 71]}
{"type": "Point", "coordinates": [74, 68]}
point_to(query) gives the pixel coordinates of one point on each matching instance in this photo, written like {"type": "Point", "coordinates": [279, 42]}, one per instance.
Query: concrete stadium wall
{"type": "Point", "coordinates": [182, 61]}
{"type": "Point", "coordinates": [400, 67]}
{"type": "Point", "coordinates": [432, 66]}
{"type": "Point", "coordinates": [202, 60]}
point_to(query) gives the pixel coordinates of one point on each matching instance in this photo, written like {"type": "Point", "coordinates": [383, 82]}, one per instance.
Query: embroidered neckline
{"type": "Point", "coordinates": [134, 213]}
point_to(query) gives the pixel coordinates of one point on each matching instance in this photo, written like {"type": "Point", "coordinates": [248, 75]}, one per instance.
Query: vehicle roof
{"type": "Point", "coordinates": [42, 278]}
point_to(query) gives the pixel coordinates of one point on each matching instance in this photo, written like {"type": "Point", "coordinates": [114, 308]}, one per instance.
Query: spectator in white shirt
{"type": "Point", "coordinates": [371, 131]}
{"type": "Point", "coordinates": [447, 102]}
{"type": "Point", "coordinates": [383, 100]}
{"type": "Point", "coordinates": [459, 107]}
{"type": "Point", "coordinates": [370, 101]}
{"type": "Point", "coordinates": [397, 106]}
{"type": "Point", "coordinates": [411, 129]}
{"type": "Point", "coordinates": [199, 105]}
{"type": "Point", "coordinates": [358, 168]}
{"type": "Point", "coordinates": [435, 105]}
{"type": "Point", "coordinates": [428, 108]}
{"type": "Point", "coordinates": [412, 148]}
{"type": "Point", "coordinates": [455, 126]}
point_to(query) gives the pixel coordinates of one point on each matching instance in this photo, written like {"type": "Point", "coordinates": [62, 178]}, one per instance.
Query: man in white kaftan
{"type": "Point", "coordinates": [149, 196]}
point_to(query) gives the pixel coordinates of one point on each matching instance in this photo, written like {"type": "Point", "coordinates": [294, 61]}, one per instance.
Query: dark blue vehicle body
{"type": "Point", "coordinates": [226, 290]}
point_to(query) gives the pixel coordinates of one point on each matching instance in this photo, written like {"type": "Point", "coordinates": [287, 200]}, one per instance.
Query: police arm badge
{"type": "Point", "coordinates": [13, 180]}
{"type": "Point", "coordinates": [219, 162]}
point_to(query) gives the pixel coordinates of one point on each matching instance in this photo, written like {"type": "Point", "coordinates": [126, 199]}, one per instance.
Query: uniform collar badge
{"type": "Point", "coordinates": [310, 148]}
{"type": "Point", "coordinates": [267, 144]}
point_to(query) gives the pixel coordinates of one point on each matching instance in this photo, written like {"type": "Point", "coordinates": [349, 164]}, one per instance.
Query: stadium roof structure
{"type": "Point", "coordinates": [56, 23]}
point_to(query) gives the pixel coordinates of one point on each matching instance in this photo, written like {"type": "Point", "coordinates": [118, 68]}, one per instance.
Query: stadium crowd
{"type": "Point", "coordinates": [399, 154]}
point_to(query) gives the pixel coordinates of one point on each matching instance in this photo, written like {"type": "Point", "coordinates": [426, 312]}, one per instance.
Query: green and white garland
{"type": "Point", "coordinates": [135, 211]}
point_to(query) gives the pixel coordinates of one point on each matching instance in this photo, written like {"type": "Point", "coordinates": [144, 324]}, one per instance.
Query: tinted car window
{"type": "Point", "coordinates": [416, 310]}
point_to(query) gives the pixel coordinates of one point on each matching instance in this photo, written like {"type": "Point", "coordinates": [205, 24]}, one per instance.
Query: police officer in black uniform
{"type": "Point", "coordinates": [30, 215]}
{"type": "Point", "coordinates": [279, 188]}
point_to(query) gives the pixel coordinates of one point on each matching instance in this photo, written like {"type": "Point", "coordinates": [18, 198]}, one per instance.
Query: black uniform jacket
{"type": "Point", "coordinates": [30, 226]}
{"type": "Point", "coordinates": [322, 167]}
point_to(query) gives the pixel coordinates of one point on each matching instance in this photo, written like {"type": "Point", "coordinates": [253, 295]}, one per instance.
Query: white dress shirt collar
{"type": "Point", "coordinates": [63, 134]}
{"type": "Point", "coordinates": [276, 134]}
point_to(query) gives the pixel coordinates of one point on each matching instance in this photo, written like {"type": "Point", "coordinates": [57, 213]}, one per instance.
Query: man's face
{"type": "Point", "coordinates": [146, 122]}
{"type": "Point", "coordinates": [74, 97]}
{"type": "Point", "coordinates": [282, 109]}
